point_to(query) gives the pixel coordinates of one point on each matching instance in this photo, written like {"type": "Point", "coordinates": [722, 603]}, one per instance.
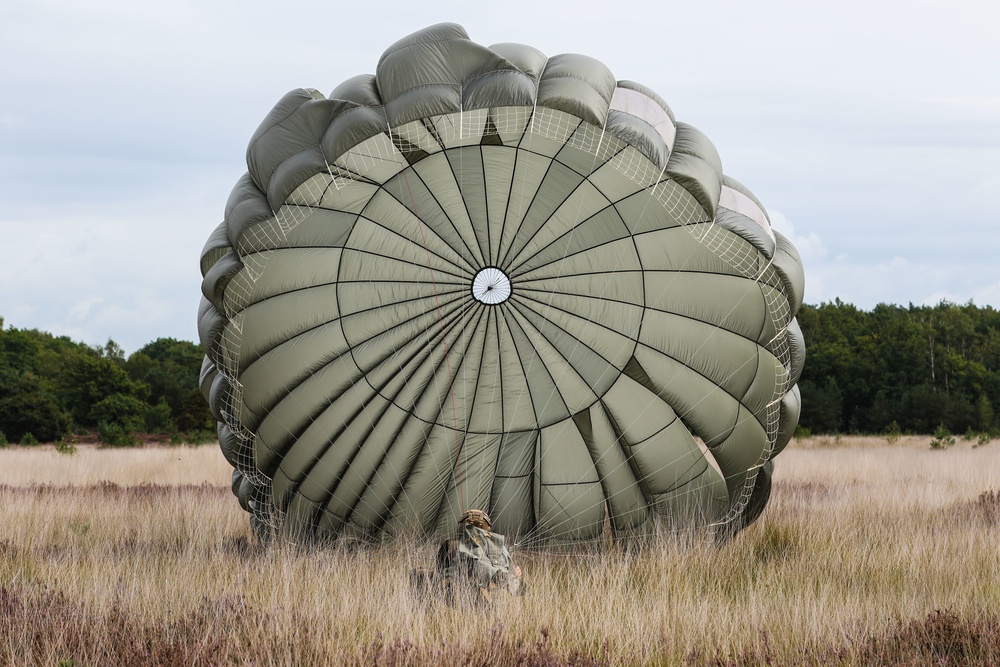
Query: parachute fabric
{"type": "Point", "coordinates": [487, 278]}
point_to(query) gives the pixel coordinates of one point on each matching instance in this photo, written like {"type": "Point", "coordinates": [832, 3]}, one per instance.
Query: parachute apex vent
{"type": "Point", "coordinates": [491, 286]}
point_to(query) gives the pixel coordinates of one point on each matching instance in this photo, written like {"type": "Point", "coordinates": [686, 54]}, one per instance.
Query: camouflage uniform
{"type": "Point", "coordinates": [478, 563]}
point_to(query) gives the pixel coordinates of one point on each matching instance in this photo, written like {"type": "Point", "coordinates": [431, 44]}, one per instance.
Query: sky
{"type": "Point", "coordinates": [869, 130]}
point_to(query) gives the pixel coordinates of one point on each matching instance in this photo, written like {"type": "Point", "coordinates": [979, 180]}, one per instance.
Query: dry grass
{"type": "Point", "coordinates": [870, 554]}
{"type": "Point", "coordinates": [129, 466]}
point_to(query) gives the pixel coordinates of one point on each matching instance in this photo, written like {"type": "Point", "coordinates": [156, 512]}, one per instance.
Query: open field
{"type": "Point", "coordinates": [869, 553]}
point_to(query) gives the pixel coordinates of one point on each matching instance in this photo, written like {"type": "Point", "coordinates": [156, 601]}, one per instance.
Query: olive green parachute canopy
{"type": "Point", "coordinates": [487, 278]}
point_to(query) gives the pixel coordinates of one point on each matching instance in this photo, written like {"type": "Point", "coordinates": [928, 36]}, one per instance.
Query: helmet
{"type": "Point", "coordinates": [477, 518]}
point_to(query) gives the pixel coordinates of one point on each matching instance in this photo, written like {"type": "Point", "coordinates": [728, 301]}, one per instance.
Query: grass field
{"type": "Point", "coordinates": [869, 553]}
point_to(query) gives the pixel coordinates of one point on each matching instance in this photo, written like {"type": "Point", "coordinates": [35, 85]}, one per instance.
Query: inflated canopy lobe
{"type": "Point", "coordinates": [484, 278]}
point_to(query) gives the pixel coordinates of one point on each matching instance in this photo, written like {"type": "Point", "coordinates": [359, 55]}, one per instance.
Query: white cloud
{"type": "Point", "coordinates": [989, 294]}
{"type": "Point", "coordinates": [986, 194]}
{"type": "Point", "coordinates": [126, 272]}
{"type": "Point", "coordinates": [80, 311]}
{"type": "Point", "coordinates": [809, 245]}
{"type": "Point", "coordinates": [899, 280]}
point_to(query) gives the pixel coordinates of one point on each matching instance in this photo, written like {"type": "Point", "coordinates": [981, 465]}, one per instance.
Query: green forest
{"type": "Point", "coordinates": [894, 369]}
{"type": "Point", "coordinates": [52, 389]}
{"type": "Point", "coordinates": [913, 369]}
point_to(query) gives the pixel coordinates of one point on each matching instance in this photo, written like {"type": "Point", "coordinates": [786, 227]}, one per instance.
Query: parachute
{"type": "Point", "coordinates": [487, 278]}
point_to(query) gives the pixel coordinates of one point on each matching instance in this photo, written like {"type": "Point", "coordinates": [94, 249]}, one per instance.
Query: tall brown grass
{"type": "Point", "coordinates": [867, 554]}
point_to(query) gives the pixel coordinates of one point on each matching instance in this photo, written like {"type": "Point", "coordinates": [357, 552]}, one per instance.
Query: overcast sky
{"type": "Point", "coordinates": [870, 131]}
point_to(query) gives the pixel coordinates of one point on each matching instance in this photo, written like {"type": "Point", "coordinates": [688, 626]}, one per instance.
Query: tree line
{"type": "Point", "coordinates": [916, 369]}
{"type": "Point", "coordinates": [52, 388]}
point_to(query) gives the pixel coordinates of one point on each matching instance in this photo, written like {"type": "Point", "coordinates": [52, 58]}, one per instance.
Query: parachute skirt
{"type": "Point", "coordinates": [487, 278]}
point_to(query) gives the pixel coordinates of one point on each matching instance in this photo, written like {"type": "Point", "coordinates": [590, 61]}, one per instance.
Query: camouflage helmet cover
{"type": "Point", "coordinates": [477, 518]}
